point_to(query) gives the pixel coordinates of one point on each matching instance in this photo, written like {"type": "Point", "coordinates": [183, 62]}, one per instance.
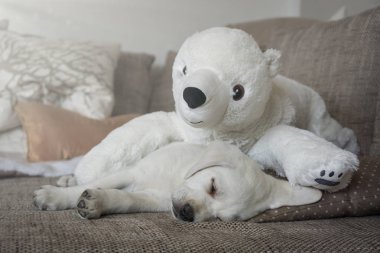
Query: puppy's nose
{"type": "Point", "coordinates": [187, 213]}
{"type": "Point", "coordinates": [194, 97]}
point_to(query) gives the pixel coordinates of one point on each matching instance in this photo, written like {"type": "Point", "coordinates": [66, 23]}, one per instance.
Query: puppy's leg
{"type": "Point", "coordinates": [59, 198]}
{"type": "Point", "coordinates": [50, 197]}
{"type": "Point", "coordinates": [304, 158]}
{"type": "Point", "coordinates": [95, 202]}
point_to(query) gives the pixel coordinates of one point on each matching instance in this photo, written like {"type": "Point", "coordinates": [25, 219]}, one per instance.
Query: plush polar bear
{"type": "Point", "coordinates": [226, 89]}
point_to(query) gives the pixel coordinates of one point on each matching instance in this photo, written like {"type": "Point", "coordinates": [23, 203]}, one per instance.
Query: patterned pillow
{"type": "Point", "coordinates": [77, 76]}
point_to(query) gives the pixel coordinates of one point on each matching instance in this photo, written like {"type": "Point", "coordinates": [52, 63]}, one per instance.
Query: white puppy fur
{"type": "Point", "coordinates": [226, 89]}
{"type": "Point", "coordinates": [196, 182]}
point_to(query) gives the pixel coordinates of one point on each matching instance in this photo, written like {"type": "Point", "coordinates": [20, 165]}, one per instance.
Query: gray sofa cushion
{"type": "Point", "coordinates": [262, 30]}
{"type": "Point", "coordinates": [26, 229]}
{"type": "Point", "coordinates": [162, 98]}
{"type": "Point", "coordinates": [341, 61]}
{"type": "Point", "coordinates": [132, 87]}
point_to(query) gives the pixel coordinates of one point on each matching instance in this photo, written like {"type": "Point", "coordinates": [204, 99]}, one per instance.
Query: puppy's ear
{"type": "Point", "coordinates": [283, 194]}
{"type": "Point", "coordinates": [272, 58]}
{"type": "Point", "coordinates": [219, 154]}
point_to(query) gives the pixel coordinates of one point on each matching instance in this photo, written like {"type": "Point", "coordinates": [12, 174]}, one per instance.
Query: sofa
{"type": "Point", "coordinates": [339, 59]}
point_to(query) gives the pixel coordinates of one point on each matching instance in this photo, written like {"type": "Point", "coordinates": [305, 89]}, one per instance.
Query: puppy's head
{"type": "Point", "coordinates": [225, 184]}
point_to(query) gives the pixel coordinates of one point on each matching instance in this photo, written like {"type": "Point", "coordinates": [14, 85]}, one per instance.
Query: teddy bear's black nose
{"type": "Point", "coordinates": [194, 97]}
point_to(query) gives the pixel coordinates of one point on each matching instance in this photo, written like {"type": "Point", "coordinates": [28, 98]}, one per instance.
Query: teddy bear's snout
{"type": "Point", "coordinates": [194, 97]}
{"type": "Point", "coordinates": [202, 98]}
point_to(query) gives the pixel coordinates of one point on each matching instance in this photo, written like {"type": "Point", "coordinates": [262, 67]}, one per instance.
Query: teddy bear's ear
{"type": "Point", "coordinates": [272, 58]}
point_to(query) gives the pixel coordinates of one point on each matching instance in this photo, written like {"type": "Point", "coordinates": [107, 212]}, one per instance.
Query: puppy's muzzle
{"type": "Point", "coordinates": [185, 212]}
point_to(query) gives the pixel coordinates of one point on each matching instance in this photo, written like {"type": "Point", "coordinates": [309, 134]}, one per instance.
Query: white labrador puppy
{"type": "Point", "coordinates": [195, 182]}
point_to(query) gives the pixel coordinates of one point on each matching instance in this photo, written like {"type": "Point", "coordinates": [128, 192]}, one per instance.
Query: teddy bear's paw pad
{"type": "Point", "coordinates": [330, 173]}
{"type": "Point", "coordinates": [333, 179]}
{"type": "Point", "coordinates": [329, 179]}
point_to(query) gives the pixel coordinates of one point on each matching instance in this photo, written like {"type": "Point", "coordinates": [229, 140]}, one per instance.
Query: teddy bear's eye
{"type": "Point", "coordinates": [184, 70]}
{"type": "Point", "coordinates": [238, 92]}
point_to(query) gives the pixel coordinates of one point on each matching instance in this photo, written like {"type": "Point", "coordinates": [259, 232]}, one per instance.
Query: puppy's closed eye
{"type": "Point", "coordinates": [212, 190]}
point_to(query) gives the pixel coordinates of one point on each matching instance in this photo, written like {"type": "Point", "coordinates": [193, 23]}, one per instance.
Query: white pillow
{"type": "Point", "coordinates": [77, 76]}
{"type": "Point", "coordinates": [4, 24]}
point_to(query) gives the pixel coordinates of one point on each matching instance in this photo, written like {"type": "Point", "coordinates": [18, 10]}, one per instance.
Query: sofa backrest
{"type": "Point", "coordinates": [132, 86]}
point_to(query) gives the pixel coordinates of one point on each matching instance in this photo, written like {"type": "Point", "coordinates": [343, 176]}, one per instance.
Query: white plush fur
{"type": "Point", "coordinates": [214, 61]}
{"type": "Point", "coordinates": [196, 182]}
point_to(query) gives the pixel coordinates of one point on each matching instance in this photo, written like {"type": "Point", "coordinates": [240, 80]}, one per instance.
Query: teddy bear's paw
{"type": "Point", "coordinates": [333, 180]}
{"type": "Point", "coordinates": [329, 173]}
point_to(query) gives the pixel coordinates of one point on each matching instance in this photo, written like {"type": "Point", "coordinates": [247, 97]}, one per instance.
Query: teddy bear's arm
{"type": "Point", "coordinates": [127, 144]}
{"type": "Point", "coordinates": [312, 114]}
{"type": "Point", "coordinates": [304, 158]}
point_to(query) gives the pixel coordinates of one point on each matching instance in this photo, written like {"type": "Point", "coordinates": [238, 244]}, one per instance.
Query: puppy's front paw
{"type": "Point", "coordinates": [50, 198]}
{"type": "Point", "coordinates": [90, 203]}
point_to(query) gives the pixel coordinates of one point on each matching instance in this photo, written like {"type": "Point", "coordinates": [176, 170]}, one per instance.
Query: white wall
{"type": "Point", "coordinates": [325, 9]}
{"type": "Point", "coordinates": [153, 26]}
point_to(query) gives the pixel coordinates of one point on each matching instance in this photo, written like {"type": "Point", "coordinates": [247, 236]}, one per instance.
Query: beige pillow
{"type": "Point", "coordinates": [55, 134]}
{"type": "Point", "coordinates": [132, 87]}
